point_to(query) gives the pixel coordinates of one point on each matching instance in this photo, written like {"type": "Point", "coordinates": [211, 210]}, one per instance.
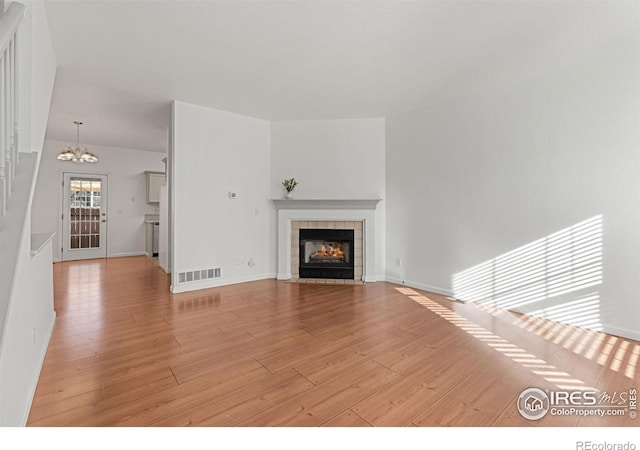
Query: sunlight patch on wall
{"type": "Point", "coordinates": [563, 262]}
{"type": "Point", "coordinates": [582, 312]}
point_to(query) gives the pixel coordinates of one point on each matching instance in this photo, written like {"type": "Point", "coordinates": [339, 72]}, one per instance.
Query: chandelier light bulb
{"type": "Point", "coordinates": [77, 154]}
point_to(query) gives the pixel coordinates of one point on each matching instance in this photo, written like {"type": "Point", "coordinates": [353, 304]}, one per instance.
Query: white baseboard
{"type": "Point", "coordinates": [421, 286]}
{"type": "Point", "coordinates": [616, 331]}
{"type": "Point", "coordinates": [113, 255]}
{"type": "Point", "coordinates": [622, 332]}
{"type": "Point", "coordinates": [206, 284]}
{"type": "Point", "coordinates": [286, 277]}
{"type": "Point", "coordinates": [42, 352]}
{"type": "Point", "coordinates": [124, 254]}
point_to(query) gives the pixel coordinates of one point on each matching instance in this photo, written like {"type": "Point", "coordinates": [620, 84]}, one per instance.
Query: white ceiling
{"type": "Point", "coordinates": [121, 63]}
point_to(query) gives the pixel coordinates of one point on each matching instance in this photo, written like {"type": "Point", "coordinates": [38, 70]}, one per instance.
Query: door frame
{"type": "Point", "coordinates": [61, 209]}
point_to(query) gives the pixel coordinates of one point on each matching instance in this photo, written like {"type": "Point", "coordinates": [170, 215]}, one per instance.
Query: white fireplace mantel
{"type": "Point", "coordinates": [363, 210]}
{"type": "Point", "coordinates": [327, 204]}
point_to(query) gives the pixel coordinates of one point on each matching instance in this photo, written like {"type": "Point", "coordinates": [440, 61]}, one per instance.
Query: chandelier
{"type": "Point", "coordinates": [77, 154]}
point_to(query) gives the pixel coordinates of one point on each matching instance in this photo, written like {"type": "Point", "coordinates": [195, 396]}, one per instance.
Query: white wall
{"type": "Point", "coordinates": [496, 168]}
{"type": "Point", "coordinates": [333, 159]}
{"type": "Point", "coordinates": [126, 187]}
{"type": "Point", "coordinates": [42, 74]}
{"type": "Point", "coordinates": [330, 158]}
{"type": "Point", "coordinates": [163, 238]}
{"type": "Point", "coordinates": [214, 152]}
{"type": "Point", "coordinates": [37, 68]}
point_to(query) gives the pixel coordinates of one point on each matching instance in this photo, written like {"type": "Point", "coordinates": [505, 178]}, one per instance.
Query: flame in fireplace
{"type": "Point", "coordinates": [332, 252]}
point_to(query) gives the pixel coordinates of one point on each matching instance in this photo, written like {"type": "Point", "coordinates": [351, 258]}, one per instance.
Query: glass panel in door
{"type": "Point", "coordinates": [85, 213]}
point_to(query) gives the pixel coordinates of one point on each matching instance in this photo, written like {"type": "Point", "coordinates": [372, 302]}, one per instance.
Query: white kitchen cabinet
{"type": "Point", "coordinates": [154, 181]}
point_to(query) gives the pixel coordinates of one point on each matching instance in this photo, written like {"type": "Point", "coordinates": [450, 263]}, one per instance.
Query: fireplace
{"type": "Point", "coordinates": [356, 215]}
{"type": "Point", "coordinates": [326, 253]}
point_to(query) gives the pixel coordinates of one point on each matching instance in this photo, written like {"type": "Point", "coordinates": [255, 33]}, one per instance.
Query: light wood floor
{"type": "Point", "coordinates": [126, 352]}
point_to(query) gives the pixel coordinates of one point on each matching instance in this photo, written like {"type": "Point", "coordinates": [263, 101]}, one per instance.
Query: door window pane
{"type": "Point", "coordinates": [84, 214]}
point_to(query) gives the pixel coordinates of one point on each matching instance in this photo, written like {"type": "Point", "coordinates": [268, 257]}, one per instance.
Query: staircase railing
{"type": "Point", "coordinates": [9, 101]}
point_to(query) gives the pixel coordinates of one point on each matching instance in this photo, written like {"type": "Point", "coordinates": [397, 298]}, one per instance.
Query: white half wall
{"type": "Point", "coordinates": [126, 187]}
{"type": "Point", "coordinates": [214, 153]}
{"type": "Point", "coordinates": [333, 159]}
{"type": "Point", "coordinates": [494, 169]}
{"type": "Point", "coordinates": [29, 325]}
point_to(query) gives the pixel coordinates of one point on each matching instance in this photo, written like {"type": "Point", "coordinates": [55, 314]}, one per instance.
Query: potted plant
{"type": "Point", "coordinates": [290, 185]}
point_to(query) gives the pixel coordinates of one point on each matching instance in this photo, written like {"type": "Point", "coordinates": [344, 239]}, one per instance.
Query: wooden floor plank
{"type": "Point", "coordinates": [107, 411]}
{"type": "Point", "coordinates": [346, 419]}
{"type": "Point", "coordinates": [126, 352]}
{"type": "Point", "coordinates": [414, 393]}
{"type": "Point", "coordinates": [199, 397]}
{"type": "Point", "coordinates": [479, 400]}
{"type": "Point", "coordinates": [235, 406]}
{"type": "Point", "coordinates": [320, 403]}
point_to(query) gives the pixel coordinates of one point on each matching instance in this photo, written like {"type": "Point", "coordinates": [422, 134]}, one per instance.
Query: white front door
{"type": "Point", "coordinates": [84, 216]}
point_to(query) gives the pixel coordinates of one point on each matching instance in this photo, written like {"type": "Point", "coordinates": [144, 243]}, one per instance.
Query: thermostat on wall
{"type": "Point", "coordinates": [233, 195]}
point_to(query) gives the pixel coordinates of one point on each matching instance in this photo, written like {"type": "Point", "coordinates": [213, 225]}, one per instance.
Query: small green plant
{"type": "Point", "coordinates": [290, 184]}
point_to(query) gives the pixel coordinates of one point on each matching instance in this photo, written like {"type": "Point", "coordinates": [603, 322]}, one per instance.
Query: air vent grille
{"type": "Point", "coordinates": [198, 275]}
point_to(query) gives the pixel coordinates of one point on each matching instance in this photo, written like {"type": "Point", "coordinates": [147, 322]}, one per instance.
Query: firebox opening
{"type": "Point", "coordinates": [326, 254]}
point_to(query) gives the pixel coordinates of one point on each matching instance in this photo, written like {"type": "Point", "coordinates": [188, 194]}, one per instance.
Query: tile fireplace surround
{"type": "Point", "coordinates": [357, 215]}
{"type": "Point", "coordinates": [356, 226]}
